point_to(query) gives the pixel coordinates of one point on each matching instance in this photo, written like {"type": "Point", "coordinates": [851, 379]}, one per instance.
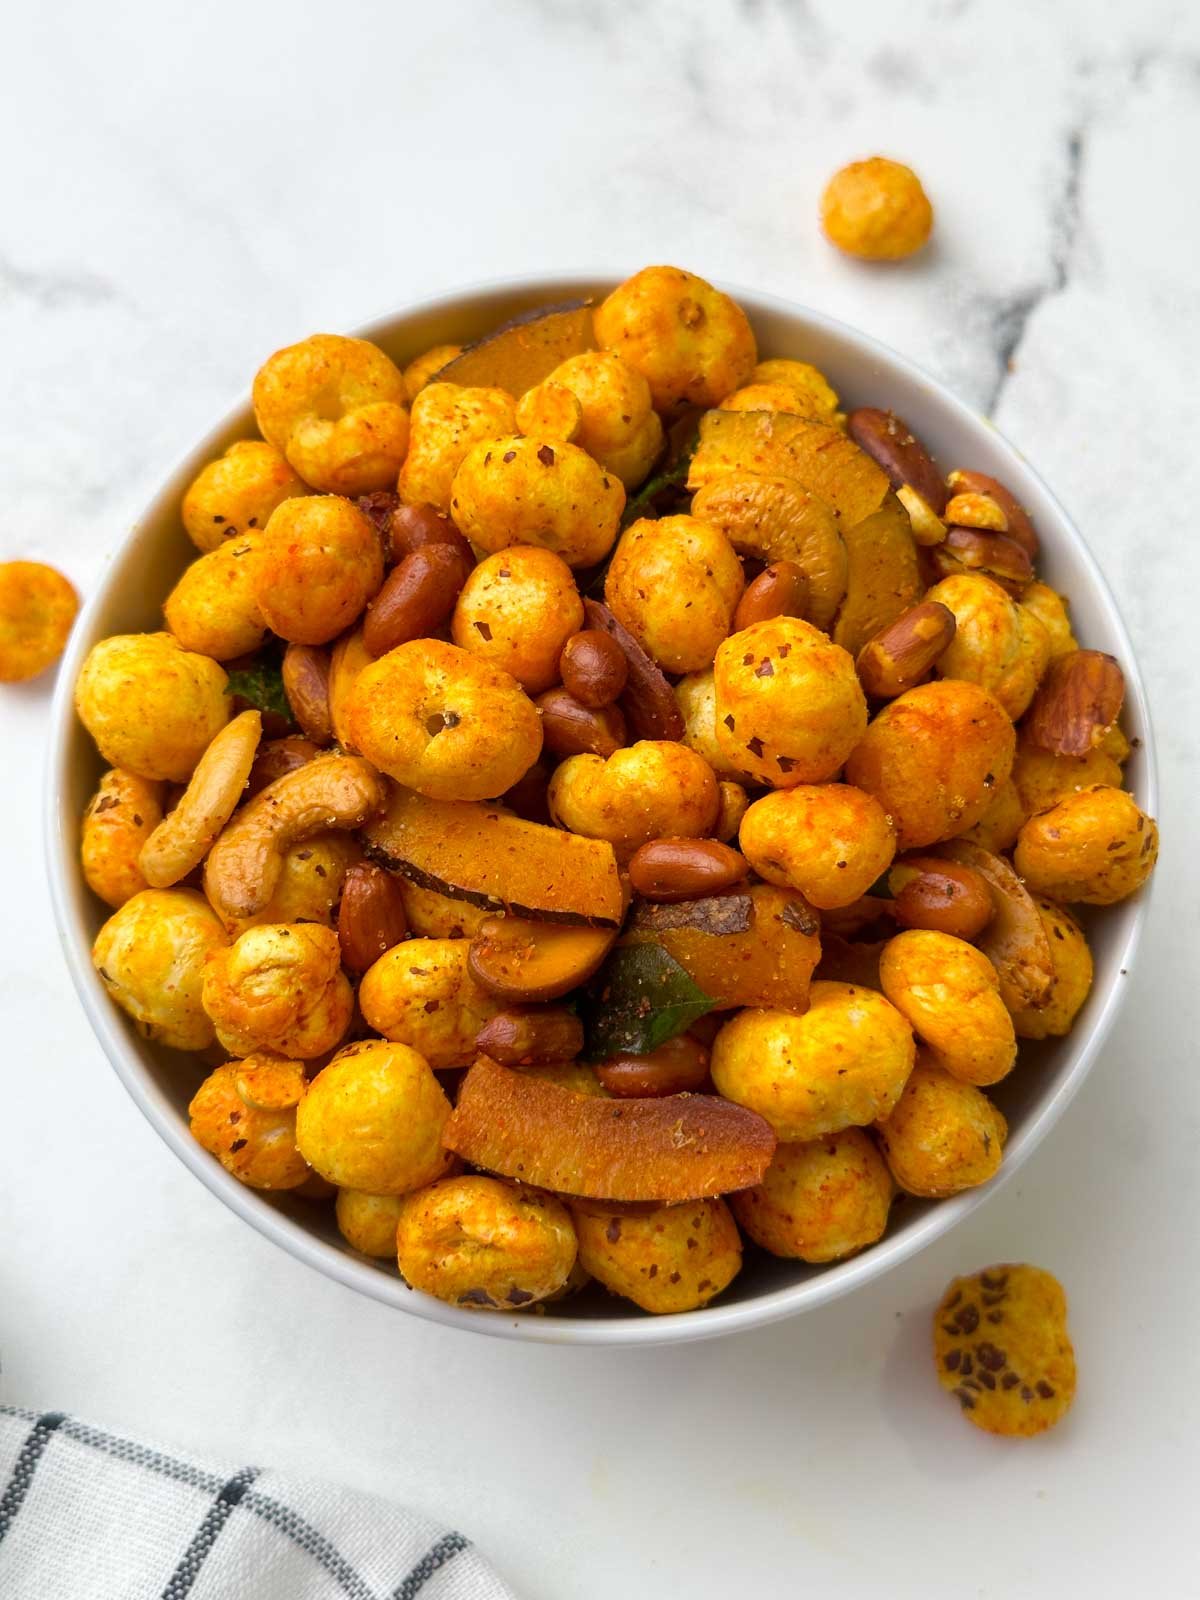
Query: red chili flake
{"type": "Point", "coordinates": [784, 763]}
{"type": "Point", "coordinates": [485, 631]}
{"type": "Point", "coordinates": [748, 661]}
{"type": "Point", "coordinates": [106, 804]}
{"type": "Point", "coordinates": [546, 456]}
{"type": "Point", "coordinates": [729, 723]}
{"type": "Point", "coordinates": [764, 669]}
{"type": "Point", "coordinates": [784, 650]}
{"type": "Point", "coordinates": [137, 821]}
{"type": "Point", "coordinates": [613, 1232]}
{"type": "Point", "coordinates": [755, 746]}
{"type": "Point", "coordinates": [509, 455]}
{"type": "Point", "coordinates": [1044, 1389]}
{"type": "Point", "coordinates": [518, 1297]}
{"type": "Point", "coordinates": [431, 1006]}
{"type": "Point", "coordinates": [238, 1144]}
{"type": "Point", "coordinates": [303, 855]}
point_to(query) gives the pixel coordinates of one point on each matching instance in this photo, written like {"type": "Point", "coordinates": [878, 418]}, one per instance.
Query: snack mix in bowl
{"type": "Point", "coordinates": [593, 801]}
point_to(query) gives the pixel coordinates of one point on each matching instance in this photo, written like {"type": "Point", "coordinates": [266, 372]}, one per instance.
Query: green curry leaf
{"type": "Point", "coordinates": [639, 999]}
{"type": "Point", "coordinates": [260, 684]}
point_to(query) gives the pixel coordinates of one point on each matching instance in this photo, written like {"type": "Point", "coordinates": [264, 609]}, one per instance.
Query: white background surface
{"type": "Point", "coordinates": [183, 189]}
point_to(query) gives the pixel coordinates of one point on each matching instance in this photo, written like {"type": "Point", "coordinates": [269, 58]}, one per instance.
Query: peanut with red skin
{"type": "Point", "coordinates": [993, 555]}
{"type": "Point", "coordinates": [648, 702]}
{"type": "Point", "coordinates": [277, 757]}
{"type": "Point", "coordinates": [416, 598]}
{"type": "Point", "coordinates": [415, 527]}
{"type": "Point", "coordinates": [526, 1035]}
{"type": "Point", "coordinates": [371, 916]}
{"type": "Point", "coordinates": [892, 444]}
{"type": "Point", "coordinates": [903, 653]}
{"type": "Point", "coordinates": [941, 896]}
{"type": "Point", "coordinates": [680, 1066]}
{"type": "Point", "coordinates": [572, 729]}
{"type": "Point", "coordinates": [780, 590]}
{"type": "Point", "coordinates": [1020, 523]}
{"type": "Point", "coordinates": [685, 869]}
{"type": "Point", "coordinates": [1078, 700]}
{"type": "Point", "coordinates": [305, 675]}
{"type": "Point", "coordinates": [593, 668]}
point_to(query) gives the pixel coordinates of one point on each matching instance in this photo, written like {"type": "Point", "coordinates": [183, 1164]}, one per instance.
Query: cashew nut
{"type": "Point", "coordinates": [332, 791]}
{"type": "Point", "coordinates": [182, 839]}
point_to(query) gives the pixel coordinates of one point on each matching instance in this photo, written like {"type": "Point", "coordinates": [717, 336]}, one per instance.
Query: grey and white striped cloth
{"type": "Point", "coordinates": [88, 1515]}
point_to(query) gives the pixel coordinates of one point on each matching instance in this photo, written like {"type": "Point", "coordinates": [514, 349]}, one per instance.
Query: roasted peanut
{"type": "Point", "coordinates": [991, 555]}
{"type": "Point", "coordinates": [685, 869]}
{"type": "Point", "coordinates": [276, 758]}
{"type": "Point", "coordinates": [416, 598]}
{"type": "Point", "coordinates": [1078, 700]}
{"type": "Point", "coordinates": [371, 916]}
{"type": "Point", "coordinates": [1019, 523]}
{"type": "Point", "coordinates": [414, 527]}
{"type": "Point", "coordinates": [943, 896]}
{"type": "Point", "coordinates": [780, 590]}
{"type": "Point", "coordinates": [526, 1035]}
{"type": "Point", "coordinates": [903, 653]}
{"type": "Point", "coordinates": [306, 684]}
{"type": "Point", "coordinates": [680, 1066]}
{"type": "Point", "coordinates": [572, 729]}
{"type": "Point", "coordinates": [182, 838]}
{"type": "Point", "coordinates": [649, 701]}
{"type": "Point", "coordinates": [967, 510]}
{"type": "Point", "coordinates": [593, 668]}
{"type": "Point", "coordinates": [909, 466]}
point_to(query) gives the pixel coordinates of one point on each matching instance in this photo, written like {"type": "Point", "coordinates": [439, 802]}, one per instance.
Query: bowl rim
{"type": "Point", "coordinates": [358, 1273]}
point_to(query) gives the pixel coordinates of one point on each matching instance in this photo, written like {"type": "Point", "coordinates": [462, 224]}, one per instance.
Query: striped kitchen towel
{"type": "Point", "coordinates": [88, 1515]}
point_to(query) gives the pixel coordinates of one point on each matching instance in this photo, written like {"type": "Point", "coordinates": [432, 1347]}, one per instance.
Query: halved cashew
{"type": "Point", "coordinates": [333, 791]}
{"type": "Point", "coordinates": [182, 839]}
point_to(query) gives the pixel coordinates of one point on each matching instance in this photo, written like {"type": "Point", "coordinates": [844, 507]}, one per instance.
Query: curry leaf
{"type": "Point", "coordinates": [260, 684]}
{"type": "Point", "coordinates": [638, 1000]}
{"type": "Point", "coordinates": [659, 492]}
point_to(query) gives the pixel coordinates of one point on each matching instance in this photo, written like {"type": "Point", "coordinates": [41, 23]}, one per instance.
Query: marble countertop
{"type": "Point", "coordinates": [188, 187]}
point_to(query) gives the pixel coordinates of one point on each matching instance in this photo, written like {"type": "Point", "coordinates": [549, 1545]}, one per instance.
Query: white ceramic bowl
{"type": "Point", "coordinates": [1038, 1092]}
